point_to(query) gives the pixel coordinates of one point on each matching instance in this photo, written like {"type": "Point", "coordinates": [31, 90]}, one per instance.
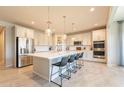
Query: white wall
{"type": "Point", "coordinates": [113, 44]}
{"type": "Point", "coordinates": [122, 42]}
{"type": "Point", "coordinates": [9, 43]}
{"type": "Point", "coordinates": [115, 37]}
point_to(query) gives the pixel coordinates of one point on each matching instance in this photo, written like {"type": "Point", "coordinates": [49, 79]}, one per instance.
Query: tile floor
{"type": "Point", "coordinates": [91, 75]}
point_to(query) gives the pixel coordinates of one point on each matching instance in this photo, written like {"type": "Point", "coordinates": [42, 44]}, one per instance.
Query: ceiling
{"type": "Point", "coordinates": [80, 15]}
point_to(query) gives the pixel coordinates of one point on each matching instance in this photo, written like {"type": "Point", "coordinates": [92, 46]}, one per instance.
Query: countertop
{"type": "Point", "coordinates": [54, 54]}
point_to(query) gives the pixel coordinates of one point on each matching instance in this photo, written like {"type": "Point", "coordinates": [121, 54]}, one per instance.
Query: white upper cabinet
{"type": "Point", "coordinates": [30, 33]}
{"type": "Point", "coordinates": [24, 32]}
{"type": "Point", "coordinates": [75, 37]}
{"type": "Point", "coordinates": [98, 35]}
{"type": "Point", "coordinates": [87, 38]}
{"type": "Point", "coordinates": [20, 32]}
{"type": "Point", "coordinates": [39, 38]}
{"type": "Point", "coordinates": [42, 38]}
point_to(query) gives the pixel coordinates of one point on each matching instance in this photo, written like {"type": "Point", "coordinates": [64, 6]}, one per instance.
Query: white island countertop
{"type": "Point", "coordinates": [54, 54]}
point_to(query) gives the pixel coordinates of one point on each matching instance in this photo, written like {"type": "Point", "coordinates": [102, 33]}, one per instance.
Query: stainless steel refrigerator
{"type": "Point", "coordinates": [24, 46]}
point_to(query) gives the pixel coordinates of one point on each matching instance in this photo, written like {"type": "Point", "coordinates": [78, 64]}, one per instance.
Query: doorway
{"type": "Point", "coordinates": [2, 47]}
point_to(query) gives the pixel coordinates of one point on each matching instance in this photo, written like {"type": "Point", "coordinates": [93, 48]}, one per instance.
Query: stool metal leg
{"type": "Point", "coordinates": [73, 68]}
{"type": "Point", "coordinates": [82, 62]}
{"type": "Point", "coordinates": [61, 76]}
{"type": "Point", "coordinates": [60, 69]}
{"type": "Point", "coordinates": [68, 71]}
{"type": "Point", "coordinates": [51, 73]}
{"type": "Point", "coordinates": [78, 65]}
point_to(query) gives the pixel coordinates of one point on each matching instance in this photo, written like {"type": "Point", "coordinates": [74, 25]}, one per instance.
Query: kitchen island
{"type": "Point", "coordinates": [42, 62]}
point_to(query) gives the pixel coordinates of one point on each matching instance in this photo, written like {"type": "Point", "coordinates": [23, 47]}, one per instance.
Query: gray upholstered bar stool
{"type": "Point", "coordinates": [61, 66]}
{"type": "Point", "coordinates": [71, 62]}
{"type": "Point", "coordinates": [81, 60]}
{"type": "Point", "coordinates": [77, 59]}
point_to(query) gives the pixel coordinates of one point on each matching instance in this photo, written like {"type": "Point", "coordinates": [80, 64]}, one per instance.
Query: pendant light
{"type": "Point", "coordinates": [72, 31]}
{"type": "Point", "coordinates": [48, 30]}
{"type": "Point", "coordinates": [65, 36]}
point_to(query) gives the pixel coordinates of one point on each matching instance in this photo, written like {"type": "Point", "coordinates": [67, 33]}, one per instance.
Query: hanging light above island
{"type": "Point", "coordinates": [48, 30]}
{"type": "Point", "coordinates": [64, 35]}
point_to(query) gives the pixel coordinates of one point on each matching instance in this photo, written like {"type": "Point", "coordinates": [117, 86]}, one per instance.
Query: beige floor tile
{"type": "Point", "coordinates": [91, 75]}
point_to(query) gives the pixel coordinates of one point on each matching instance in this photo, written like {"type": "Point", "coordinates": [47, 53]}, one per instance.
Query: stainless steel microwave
{"type": "Point", "coordinates": [77, 43]}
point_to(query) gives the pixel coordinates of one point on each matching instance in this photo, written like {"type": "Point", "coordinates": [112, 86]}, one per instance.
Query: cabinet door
{"type": "Point", "coordinates": [30, 33]}
{"type": "Point", "coordinates": [24, 32]}
{"type": "Point", "coordinates": [20, 31]}
{"type": "Point", "coordinates": [40, 38]}
{"type": "Point", "coordinates": [87, 38]}
{"type": "Point", "coordinates": [70, 40]}
{"type": "Point", "coordinates": [98, 35]}
{"type": "Point", "coordinates": [29, 60]}
{"type": "Point", "coordinates": [24, 60]}
{"type": "Point", "coordinates": [102, 35]}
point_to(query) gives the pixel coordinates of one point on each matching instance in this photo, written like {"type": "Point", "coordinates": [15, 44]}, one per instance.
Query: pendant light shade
{"type": "Point", "coordinates": [65, 36]}
{"type": "Point", "coordinates": [72, 31]}
{"type": "Point", "coordinates": [48, 30]}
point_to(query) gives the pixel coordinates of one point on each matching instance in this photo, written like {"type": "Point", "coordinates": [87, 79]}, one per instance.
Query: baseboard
{"type": "Point", "coordinates": [112, 65]}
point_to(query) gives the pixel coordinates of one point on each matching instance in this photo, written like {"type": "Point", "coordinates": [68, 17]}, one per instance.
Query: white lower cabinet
{"type": "Point", "coordinates": [88, 55]}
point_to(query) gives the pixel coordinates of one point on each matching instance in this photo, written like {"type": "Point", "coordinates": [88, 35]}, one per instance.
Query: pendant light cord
{"type": "Point", "coordinates": [64, 23]}
{"type": "Point", "coordinates": [73, 26]}
{"type": "Point", "coordinates": [48, 17]}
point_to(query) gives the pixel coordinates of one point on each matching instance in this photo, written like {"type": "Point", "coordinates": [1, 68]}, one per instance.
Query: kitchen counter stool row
{"type": "Point", "coordinates": [72, 63]}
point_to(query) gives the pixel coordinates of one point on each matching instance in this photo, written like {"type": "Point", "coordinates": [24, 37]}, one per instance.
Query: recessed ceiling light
{"type": "Point", "coordinates": [92, 9]}
{"type": "Point", "coordinates": [95, 24]}
{"type": "Point", "coordinates": [32, 22]}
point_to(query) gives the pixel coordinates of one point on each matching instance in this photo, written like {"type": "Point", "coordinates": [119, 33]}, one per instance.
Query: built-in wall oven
{"type": "Point", "coordinates": [99, 49]}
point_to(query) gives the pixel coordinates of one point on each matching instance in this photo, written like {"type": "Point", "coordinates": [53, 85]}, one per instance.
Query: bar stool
{"type": "Point", "coordinates": [61, 64]}
{"type": "Point", "coordinates": [81, 59]}
{"type": "Point", "coordinates": [71, 61]}
{"type": "Point", "coordinates": [77, 58]}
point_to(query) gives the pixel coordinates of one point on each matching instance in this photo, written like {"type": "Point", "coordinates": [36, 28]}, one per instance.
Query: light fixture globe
{"type": "Point", "coordinates": [64, 36]}
{"type": "Point", "coordinates": [48, 32]}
